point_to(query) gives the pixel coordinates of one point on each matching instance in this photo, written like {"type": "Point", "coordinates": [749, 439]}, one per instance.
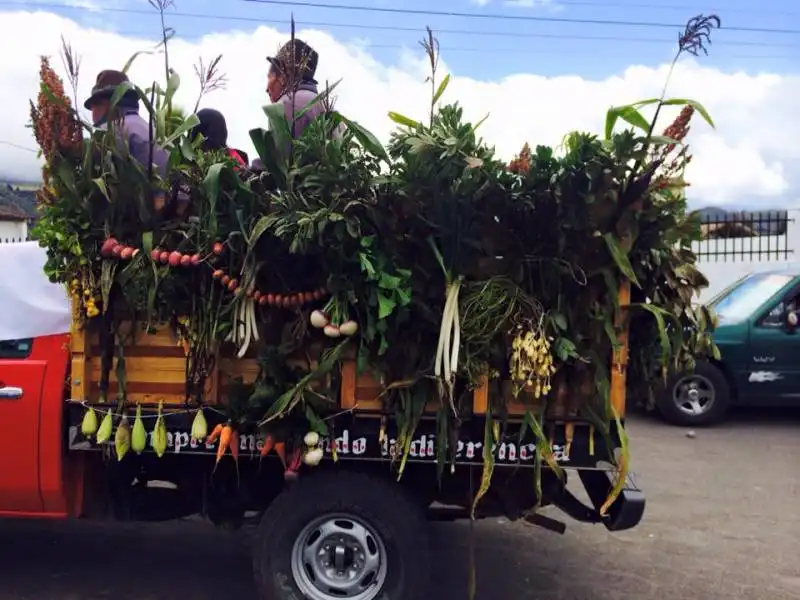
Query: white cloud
{"type": "Point", "coordinates": [752, 157]}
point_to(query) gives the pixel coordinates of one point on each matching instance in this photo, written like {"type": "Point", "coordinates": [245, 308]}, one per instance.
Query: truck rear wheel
{"type": "Point", "coordinates": [342, 535]}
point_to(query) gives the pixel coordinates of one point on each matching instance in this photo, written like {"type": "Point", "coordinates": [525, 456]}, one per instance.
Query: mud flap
{"type": "Point", "coordinates": [627, 510]}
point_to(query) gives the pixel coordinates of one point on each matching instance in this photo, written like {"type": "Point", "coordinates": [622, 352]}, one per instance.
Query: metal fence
{"type": "Point", "coordinates": [745, 237]}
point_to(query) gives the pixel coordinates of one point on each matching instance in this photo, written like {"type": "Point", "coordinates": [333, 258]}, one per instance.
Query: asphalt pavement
{"type": "Point", "coordinates": [722, 522]}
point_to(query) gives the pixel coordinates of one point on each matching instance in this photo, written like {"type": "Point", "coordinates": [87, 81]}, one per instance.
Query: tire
{"type": "Point", "coordinates": [679, 408]}
{"type": "Point", "coordinates": [388, 523]}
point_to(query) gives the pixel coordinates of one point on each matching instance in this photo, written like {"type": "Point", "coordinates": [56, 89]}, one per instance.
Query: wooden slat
{"type": "Point", "coordinates": [146, 369]}
{"type": "Point", "coordinates": [79, 368]}
{"type": "Point", "coordinates": [143, 351]}
{"type": "Point", "coordinates": [145, 393]}
{"type": "Point", "coordinates": [348, 398]}
{"type": "Point", "coordinates": [365, 392]}
{"type": "Point", "coordinates": [245, 368]}
{"type": "Point", "coordinates": [515, 406]}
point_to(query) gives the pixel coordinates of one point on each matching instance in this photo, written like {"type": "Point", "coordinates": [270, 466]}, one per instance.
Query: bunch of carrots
{"type": "Point", "coordinates": [228, 438]}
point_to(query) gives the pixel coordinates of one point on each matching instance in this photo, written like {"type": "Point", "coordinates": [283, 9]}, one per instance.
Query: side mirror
{"type": "Point", "coordinates": [790, 321]}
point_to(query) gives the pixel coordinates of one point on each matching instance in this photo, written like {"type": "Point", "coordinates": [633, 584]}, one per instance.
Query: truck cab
{"type": "Point", "coordinates": [758, 345]}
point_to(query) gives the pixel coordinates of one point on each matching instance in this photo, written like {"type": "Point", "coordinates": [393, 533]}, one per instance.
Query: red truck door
{"type": "Point", "coordinates": [21, 383]}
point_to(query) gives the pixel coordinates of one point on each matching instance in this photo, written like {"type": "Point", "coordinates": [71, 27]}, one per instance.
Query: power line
{"type": "Point", "coordinates": [399, 28]}
{"type": "Point", "coordinates": [473, 15]}
{"type": "Point", "coordinates": [446, 49]}
{"type": "Point", "coordinates": [682, 7]}
{"type": "Point", "coordinates": [18, 147]}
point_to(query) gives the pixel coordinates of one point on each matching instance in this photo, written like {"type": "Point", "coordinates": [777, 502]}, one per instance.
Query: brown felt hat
{"type": "Point", "coordinates": [107, 82]}
{"type": "Point", "coordinates": [305, 60]}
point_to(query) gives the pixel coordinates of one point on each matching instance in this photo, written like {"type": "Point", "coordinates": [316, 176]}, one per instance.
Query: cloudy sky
{"type": "Point", "coordinates": [539, 68]}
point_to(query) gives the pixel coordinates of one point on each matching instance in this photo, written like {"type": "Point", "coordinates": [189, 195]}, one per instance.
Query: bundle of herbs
{"type": "Point", "coordinates": [430, 262]}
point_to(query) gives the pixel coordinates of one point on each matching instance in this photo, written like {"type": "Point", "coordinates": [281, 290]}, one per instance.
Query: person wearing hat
{"type": "Point", "coordinates": [126, 117]}
{"type": "Point", "coordinates": [214, 130]}
{"type": "Point", "coordinates": [291, 82]}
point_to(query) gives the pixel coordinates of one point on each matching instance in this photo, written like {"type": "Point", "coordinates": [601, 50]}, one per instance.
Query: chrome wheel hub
{"type": "Point", "coordinates": [337, 557]}
{"type": "Point", "coordinates": [694, 395]}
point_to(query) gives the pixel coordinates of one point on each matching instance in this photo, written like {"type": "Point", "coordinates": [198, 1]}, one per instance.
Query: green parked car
{"type": "Point", "coordinates": [760, 353]}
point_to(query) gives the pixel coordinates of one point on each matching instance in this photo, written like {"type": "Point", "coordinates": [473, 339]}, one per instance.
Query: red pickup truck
{"type": "Point", "coordinates": [344, 530]}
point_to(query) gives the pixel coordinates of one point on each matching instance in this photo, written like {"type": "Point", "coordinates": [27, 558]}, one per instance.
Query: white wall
{"type": "Point", "coordinates": [723, 270]}
{"type": "Point", "coordinates": [13, 231]}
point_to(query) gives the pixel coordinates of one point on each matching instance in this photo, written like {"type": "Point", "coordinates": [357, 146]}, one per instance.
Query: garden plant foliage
{"type": "Point", "coordinates": [455, 267]}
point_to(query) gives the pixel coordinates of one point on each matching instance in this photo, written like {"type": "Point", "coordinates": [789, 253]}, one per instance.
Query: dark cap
{"type": "Point", "coordinates": [303, 56]}
{"type": "Point", "coordinates": [107, 82]}
{"type": "Point", "coordinates": [213, 127]}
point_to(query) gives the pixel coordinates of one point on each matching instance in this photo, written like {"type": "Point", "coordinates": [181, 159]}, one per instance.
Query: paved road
{"type": "Point", "coordinates": [723, 522]}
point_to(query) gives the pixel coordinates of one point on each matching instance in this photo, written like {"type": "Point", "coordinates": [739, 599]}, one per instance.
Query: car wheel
{"type": "Point", "coordinates": [696, 399]}
{"type": "Point", "coordinates": [342, 535]}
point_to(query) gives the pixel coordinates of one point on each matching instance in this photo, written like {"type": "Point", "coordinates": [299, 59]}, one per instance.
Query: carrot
{"type": "Point", "coordinates": [294, 465]}
{"type": "Point", "coordinates": [297, 459]}
{"type": "Point", "coordinates": [235, 445]}
{"type": "Point", "coordinates": [212, 437]}
{"type": "Point", "coordinates": [280, 450]}
{"type": "Point", "coordinates": [269, 443]}
{"type": "Point", "coordinates": [224, 441]}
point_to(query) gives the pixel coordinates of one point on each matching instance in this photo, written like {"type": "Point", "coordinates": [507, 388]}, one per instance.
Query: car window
{"type": "Point", "coordinates": [774, 318]}
{"type": "Point", "coordinates": [748, 296]}
{"type": "Point", "coordinates": [10, 349]}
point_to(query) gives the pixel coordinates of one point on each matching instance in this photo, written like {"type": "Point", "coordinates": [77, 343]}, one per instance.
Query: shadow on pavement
{"type": "Point", "coordinates": [123, 561]}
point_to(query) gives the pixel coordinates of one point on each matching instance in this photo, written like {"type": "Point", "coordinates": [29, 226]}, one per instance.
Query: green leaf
{"type": "Point", "coordinates": [367, 139]}
{"type": "Point", "coordinates": [389, 282]}
{"type": "Point", "coordinates": [620, 257]}
{"type": "Point", "coordinates": [663, 338]}
{"type": "Point", "coordinates": [212, 182]}
{"type": "Point", "coordinates": [627, 113]}
{"type": "Point", "coordinates": [187, 150]}
{"type": "Point", "coordinates": [280, 127]}
{"type": "Point", "coordinates": [663, 140]}
{"type": "Point", "coordinates": [403, 120]}
{"type": "Point", "coordinates": [262, 142]}
{"type": "Point", "coordinates": [190, 122]}
{"type": "Point", "coordinates": [697, 106]}
{"type": "Point", "coordinates": [385, 306]}
{"type": "Point", "coordinates": [147, 242]}
{"type": "Point", "coordinates": [366, 265]}
{"type": "Point", "coordinates": [608, 326]}
{"type": "Point", "coordinates": [101, 185]}
{"type": "Point", "coordinates": [173, 83]}
{"type": "Point", "coordinates": [122, 89]}
{"type": "Point", "coordinates": [647, 102]}
{"type": "Point", "coordinates": [315, 422]}
{"type": "Point", "coordinates": [565, 349]}
{"type": "Point", "coordinates": [442, 87]}
{"type": "Point", "coordinates": [130, 61]}
{"type": "Point", "coordinates": [631, 115]}
{"type": "Point", "coordinates": [560, 321]}
{"type": "Point", "coordinates": [479, 123]}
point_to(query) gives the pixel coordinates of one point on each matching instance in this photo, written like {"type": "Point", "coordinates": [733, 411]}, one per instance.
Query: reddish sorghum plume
{"type": "Point", "coordinates": [673, 165]}
{"type": "Point", "coordinates": [522, 162]}
{"type": "Point", "coordinates": [679, 128]}
{"type": "Point", "coordinates": [55, 125]}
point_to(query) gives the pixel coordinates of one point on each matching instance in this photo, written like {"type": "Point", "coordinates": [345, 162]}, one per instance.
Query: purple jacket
{"type": "Point", "coordinates": [136, 130]}
{"type": "Point", "coordinates": [305, 93]}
